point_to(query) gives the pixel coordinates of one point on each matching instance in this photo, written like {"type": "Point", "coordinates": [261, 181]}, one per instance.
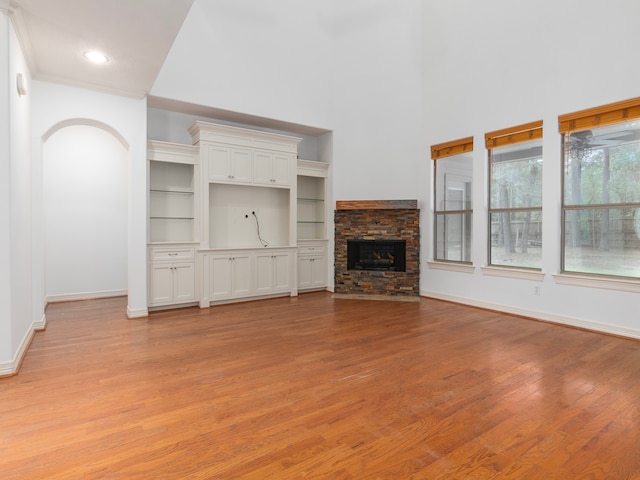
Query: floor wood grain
{"type": "Point", "coordinates": [319, 388]}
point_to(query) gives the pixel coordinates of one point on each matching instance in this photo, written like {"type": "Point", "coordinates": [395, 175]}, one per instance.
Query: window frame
{"type": "Point", "coordinates": [511, 136]}
{"type": "Point", "coordinates": [580, 121]}
{"type": "Point", "coordinates": [439, 152]}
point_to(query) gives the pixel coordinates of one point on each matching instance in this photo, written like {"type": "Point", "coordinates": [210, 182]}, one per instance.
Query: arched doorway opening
{"type": "Point", "coordinates": [85, 203]}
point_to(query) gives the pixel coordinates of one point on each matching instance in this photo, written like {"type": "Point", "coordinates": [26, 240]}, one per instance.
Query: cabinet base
{"type": "Point", "coordinates": [247, 299]}
{"type": "Point", "coordinates": [174, 306]}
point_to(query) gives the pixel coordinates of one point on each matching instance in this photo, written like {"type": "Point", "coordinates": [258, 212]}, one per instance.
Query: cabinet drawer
{"type": "Point", "coordinates": [315, 249]}
{"type": "Point", "coordinates": [172, 254]}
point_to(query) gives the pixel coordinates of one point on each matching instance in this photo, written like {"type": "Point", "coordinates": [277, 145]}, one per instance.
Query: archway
{"type": "Point", "coordinates": [85, 210]}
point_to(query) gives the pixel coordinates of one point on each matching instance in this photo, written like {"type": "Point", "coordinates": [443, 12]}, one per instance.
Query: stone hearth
{"type": "Point", "coordinates": [377, 220]}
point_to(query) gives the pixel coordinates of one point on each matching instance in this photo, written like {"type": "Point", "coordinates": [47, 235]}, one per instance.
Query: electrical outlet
{"type": "Point", "coordinates": [536, 290]}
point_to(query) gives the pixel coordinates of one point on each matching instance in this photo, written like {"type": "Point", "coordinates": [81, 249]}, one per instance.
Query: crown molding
{"type": "Point", "coordinates": [9, 6]}
{"type": "Point", "coordinates": [12, 9]}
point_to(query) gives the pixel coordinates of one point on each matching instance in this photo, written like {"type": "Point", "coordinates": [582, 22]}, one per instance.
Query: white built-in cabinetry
{"type": "Point", "coordinates": [312, 266]}
{"type": "Point", "coordinates": [273, 271]}
{"type": "Point", "coordinates": [172, 205]}
{"type": "Point", "coordinates": [230, 275]}
{"type": "Point", "coordinates": [228, 164]}
{"type": "Point", "coordinates": [311, 225]}
{"type": "Point", "coordinates": [172, 275]}
{"type": "Point", "coordinates": [248, 228]}
{"type": "Point", "coordinates": [233, 217]}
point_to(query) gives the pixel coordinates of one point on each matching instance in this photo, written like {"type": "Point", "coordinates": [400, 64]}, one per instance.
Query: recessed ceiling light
{"type": "Point", "coordinates": [95, 56]}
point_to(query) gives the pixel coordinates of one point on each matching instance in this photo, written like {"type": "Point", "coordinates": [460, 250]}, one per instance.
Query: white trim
{"type": "Point", "coordinates": [40, 324]}
{"type": "Point", "coordinates": [624, 285]}
{"type": "Point", "coordinates": [8, 6]}
{"type": "Point", "coordinates": [311, 168]}
{"type": "Point", "coordinates": [138, 313]}
{"type": "Point", "coordinates": [536, 315]}
{"type": "Point", "coordinates": [452, 266]}
{"type": "Point", "coordinates": [84, 296]}
{"type": "Point", "coordinates": [20, 28]}
{"type": "Point", "coordinates": [12, 367]}
{"type": "Point", "coordinates": [518, 273]}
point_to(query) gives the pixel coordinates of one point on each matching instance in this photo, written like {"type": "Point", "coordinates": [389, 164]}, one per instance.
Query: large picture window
{"type": "Point", "coordinates": [601, 190]}
{"type": "Point", "coordinates": [515, 196]}
{"type": "Point", "coordinates": [453, 165]}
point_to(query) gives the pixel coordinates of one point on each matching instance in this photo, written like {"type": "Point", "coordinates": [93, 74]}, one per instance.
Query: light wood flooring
{"type": "Point", "coordinates": [319, 388]}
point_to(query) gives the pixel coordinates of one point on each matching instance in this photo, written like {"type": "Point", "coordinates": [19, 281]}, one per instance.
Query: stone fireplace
{"type": "Point", "coordinates": [377, 247]}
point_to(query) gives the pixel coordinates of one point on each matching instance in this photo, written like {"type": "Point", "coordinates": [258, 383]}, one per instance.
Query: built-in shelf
{"type": "Point", "coordinates": [180, 192]}
{"type": "Point", "coordinates": [311, 206]}
{"type": "Point", "coordinates": [171, 192]}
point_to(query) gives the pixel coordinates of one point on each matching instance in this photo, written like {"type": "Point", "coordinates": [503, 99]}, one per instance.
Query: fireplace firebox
{"type": "Point", "coordinates": [377, 255]}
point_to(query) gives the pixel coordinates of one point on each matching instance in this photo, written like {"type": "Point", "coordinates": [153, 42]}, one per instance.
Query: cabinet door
{"type": "Point", "coordinates": [282, 272]}
{"type": "Point", "coordinates": [229, 164]}
{"type": "Point", "coordinates": [219, 163]}
{"type": "Point", "coordinates": [304, 272]}
{"type": "Point", "coordinates": [241, 166]}
{"type": "Point", "coordinates": [263, 168]}
{"type": "Point", "coordinates": [273, 272]}
{"type": "Point", "coordinates": [264, 273]}
{"type": "Point", "coordinates": [220, 277]}
{"type": "Point", "coordinates": [282, 168]}
{"type": "Point", "coordinates": [241, 275]}
{"type": "Point", "coordinates": [271, 169]}
{"type": "Point", "coordinates": [161, 284]}
{"type": "Point", "coordinates": [184, 282]}
{"type": "Point", "coordinates": [318, 271]}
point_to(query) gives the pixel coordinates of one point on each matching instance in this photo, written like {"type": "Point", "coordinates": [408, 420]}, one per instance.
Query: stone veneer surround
{"type": "Point", "coordinates": [377, 220]}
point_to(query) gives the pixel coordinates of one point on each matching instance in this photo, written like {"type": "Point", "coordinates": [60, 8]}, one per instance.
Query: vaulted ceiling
{"type": "Point", "coordinates": [135, 35]}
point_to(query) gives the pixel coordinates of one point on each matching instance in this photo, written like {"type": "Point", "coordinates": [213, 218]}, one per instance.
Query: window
{"type": "Point", "coordinates": [453, 165]}
{"type": "Point", "coordinates": [601, 190]}
{"type": "Point", "coordinates": [515, 196]}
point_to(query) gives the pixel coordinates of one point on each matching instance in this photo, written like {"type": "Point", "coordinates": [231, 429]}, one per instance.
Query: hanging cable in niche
{"type": "Point", "coordinates": [263, 242]}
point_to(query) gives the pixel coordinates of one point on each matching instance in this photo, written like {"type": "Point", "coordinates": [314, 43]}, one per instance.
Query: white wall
{"type": "Point", "coordinates": [21, 235]}
{"type": "Point", "coordinates": [85, 211]}
{"type": "Point", "coordinates": [6, 350]}
{"type": "Point", "coordinates": [353, 67]}
{"type": "Point", "coordinates": [57, 106]}
{"type": "Point", "coordinates": [505, 63]}
{"type": "Point", "coordinates": [269, 59]}
{"type": "Point", "coordinates": [376, 100]}
{"type": "Point", "coordinates": [16, 316]}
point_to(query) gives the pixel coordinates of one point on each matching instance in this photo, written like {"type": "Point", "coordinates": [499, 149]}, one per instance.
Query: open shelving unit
{"type": "Point", "coordinates": [311, 225]}
{"type": "Point", "coordinates": [171, 202]}
{"type": "Point", "coordinates": [311, 204]}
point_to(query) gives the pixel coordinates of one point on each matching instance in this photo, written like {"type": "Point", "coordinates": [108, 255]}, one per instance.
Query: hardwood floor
{"type": "Point", "coordinates": [319, 388]}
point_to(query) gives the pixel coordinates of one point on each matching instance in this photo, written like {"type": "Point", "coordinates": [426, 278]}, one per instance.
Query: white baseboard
{"type": "Point", "coordinates": [41, 324]}
{"type": "Point", "coordinates": [542, 316]}
{"type": "Point", "coordinates": [12, 367]}
{"type": "Point", "coordinates": [85, 296]}
{"type": "Point", "coordinates": [137, 313]}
